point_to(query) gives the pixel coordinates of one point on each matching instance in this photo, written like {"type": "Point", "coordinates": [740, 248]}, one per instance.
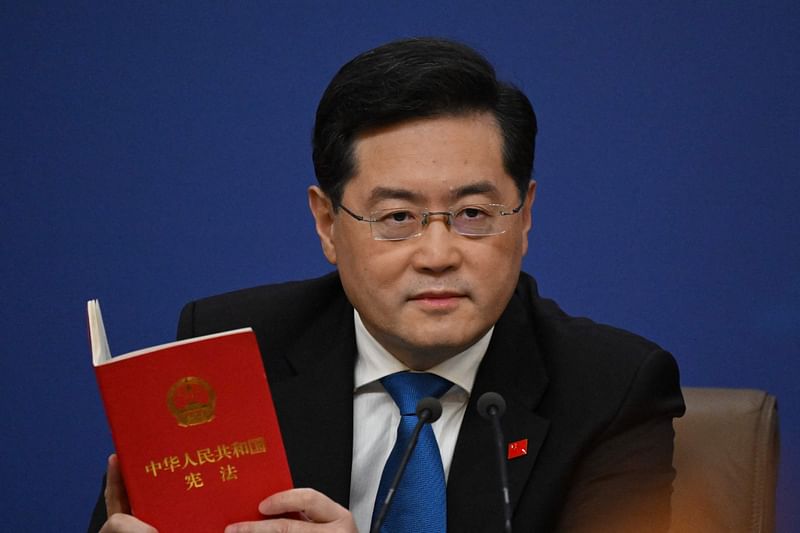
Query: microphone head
{"type": "Point", "coordinates": [489, 400]}
{"type": "Point", "coordinates": [432, 406]}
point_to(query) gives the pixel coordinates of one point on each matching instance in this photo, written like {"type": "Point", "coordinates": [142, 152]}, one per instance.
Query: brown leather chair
{"type": "Point", "coordinates": [726, 459]}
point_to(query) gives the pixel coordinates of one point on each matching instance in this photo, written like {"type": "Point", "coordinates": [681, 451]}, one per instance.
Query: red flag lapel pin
{"type": "Point", "coordinates": [518, 448]}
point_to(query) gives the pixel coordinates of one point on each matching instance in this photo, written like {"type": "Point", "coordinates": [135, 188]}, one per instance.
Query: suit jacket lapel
{"type": "Point", "coordinates": [512, 367]}
{"type": "Point", "coordinates": [315, 404]}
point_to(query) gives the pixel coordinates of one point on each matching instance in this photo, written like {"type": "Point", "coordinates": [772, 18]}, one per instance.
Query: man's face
{"type": "Point", "coordinates": [430, 297]}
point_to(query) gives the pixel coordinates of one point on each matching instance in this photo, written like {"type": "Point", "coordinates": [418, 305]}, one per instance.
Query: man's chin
{"type": "Point", "coordinates": [424, 354]}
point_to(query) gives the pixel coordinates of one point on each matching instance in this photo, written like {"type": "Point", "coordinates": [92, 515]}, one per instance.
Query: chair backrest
{"type": "Point", "coordinates": [726, 460]}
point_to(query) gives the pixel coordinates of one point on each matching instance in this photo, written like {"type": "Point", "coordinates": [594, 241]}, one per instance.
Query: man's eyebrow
{"type": "Point", "coordinates": [479, 187]}
{"type": "Point", "coordinates": [389, 193]}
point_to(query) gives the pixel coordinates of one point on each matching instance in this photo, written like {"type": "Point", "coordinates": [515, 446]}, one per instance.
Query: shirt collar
{"type": "Point", "coordinates": [375, 362]}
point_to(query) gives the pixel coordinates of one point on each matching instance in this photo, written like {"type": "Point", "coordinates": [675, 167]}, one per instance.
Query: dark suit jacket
{"type": "Point", "coordinates": [595, 403]}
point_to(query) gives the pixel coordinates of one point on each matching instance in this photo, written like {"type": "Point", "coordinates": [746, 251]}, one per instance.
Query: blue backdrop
{"type": "Point", "coordinates": [152, 154]}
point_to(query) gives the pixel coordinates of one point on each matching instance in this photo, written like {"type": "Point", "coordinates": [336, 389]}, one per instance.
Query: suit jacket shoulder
{"type": "Point", "coordinates": [285, 309]}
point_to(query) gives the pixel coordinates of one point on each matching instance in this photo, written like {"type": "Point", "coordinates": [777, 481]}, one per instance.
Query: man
{"type": "Point", "coordinates": [424, 202]}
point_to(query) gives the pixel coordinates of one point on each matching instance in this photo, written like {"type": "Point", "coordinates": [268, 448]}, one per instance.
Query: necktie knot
{"type": "Point", "coordinates": [408, 388]}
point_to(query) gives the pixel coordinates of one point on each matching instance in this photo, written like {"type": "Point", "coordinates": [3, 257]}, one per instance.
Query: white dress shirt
{"type": "Point", "coordinates": [376, 416]}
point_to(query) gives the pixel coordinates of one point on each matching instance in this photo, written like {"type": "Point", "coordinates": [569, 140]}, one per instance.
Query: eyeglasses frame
{"type": "Point", "coordinates": [425, 222]}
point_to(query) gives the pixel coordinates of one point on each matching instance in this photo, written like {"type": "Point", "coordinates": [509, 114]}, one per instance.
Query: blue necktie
{"type": "Point", "coordinates": [420, 502]}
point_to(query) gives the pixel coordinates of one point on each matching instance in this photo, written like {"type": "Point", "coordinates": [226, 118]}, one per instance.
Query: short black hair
{"type": "Point", "coordinates": [416, 78]}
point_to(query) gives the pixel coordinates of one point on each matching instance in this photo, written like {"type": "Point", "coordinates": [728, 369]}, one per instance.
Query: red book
{"type": "Point", "coordinates": [194, 428]}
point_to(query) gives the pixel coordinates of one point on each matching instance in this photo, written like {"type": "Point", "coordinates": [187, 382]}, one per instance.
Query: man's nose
{"type": "Point", "coordinates": [438, 247]}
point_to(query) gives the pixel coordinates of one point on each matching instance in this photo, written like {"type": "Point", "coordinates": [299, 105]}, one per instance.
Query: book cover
{"type": "Point", "coordinates": [194, 428]}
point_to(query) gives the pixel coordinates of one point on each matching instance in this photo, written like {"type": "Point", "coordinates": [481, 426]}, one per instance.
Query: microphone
{"type": "Point", "coordinates": [428, 411]}
{"type": "Point", "coordinates": [492, 406]}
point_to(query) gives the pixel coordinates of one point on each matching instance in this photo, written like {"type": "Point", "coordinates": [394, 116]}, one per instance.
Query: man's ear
{"type": "Point", "coordinates": [322, 210]}
{"type": "Point", "coordinates": [527, 219]}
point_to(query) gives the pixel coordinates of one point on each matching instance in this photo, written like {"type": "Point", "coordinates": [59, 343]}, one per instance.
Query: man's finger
{"type": "Point", "coordinates": [322, 513]}
{"type": "Point", "coordinates": [279, 525]}
{"type": "Point", "coordinates": [115, 494]}
{"type": "Point", "coordinates": [312, 504]}
{"type": "Point", "coordinates": [125, 523]}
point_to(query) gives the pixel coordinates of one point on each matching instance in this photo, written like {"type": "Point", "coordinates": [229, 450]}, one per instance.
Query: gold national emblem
{"type": "Point", "coordinates": [191, 401]}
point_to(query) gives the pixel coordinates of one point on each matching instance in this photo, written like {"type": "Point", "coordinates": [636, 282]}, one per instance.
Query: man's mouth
{"type": "Point", "coordinates": [438, 299]}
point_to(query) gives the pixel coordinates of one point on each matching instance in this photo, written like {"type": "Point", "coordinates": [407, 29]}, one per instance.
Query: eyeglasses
{"type": "Point", "coordinates": [472, 220]}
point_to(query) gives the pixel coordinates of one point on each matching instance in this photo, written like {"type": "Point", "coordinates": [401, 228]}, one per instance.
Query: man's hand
{"type": "Point", "coordinates": [117, 507]}
{"type": "Point", "coordinates": [320, 512]}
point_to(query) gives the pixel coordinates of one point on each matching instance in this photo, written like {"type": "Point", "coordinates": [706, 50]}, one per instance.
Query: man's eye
{"type": "Point", "coordinates": [398, 217]}
{"type": "Point", "coordinates": [471, 213]}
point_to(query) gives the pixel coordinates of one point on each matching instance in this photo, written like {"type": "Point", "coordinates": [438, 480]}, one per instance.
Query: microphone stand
{"type": "Point", "coordinates": [491, 406]}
